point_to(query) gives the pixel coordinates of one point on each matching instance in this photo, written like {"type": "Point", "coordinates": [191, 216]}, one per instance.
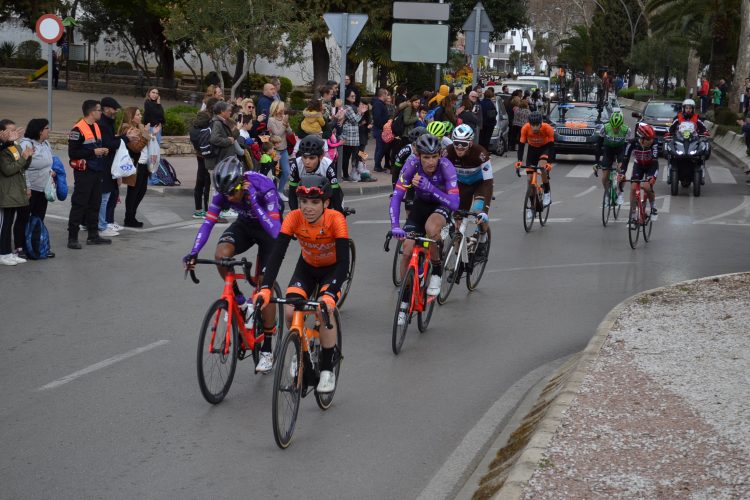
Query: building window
{"type": "Point", "coordinates": [525, 48]}
{"type": "Point", "coordinates": [513, 33]}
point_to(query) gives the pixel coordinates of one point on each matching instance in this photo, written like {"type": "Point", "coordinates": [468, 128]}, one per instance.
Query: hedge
{"type": "Point", "coordinates": [179, 119]}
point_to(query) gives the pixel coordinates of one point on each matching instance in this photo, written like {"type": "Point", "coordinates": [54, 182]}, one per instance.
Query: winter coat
{"type": "Point", "coordinates": [313, 122]}
{"type": "Point", "coordinates": [12, 182]}
{"type": "Point", "coordinates": [37, 175]}
{"type": "Point", "coordinates": [220, 139]}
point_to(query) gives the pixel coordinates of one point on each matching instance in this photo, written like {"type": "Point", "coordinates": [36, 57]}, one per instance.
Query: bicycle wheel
{"type": "Point", "coordinates": [545, 211]}
{"type": "Point", "coordinates": [451, 265]}
{"type": "Point", "coordinates": [529, 208]}
{"type": "Point", "coordinates": [634, 229]}
{"type": "Point", "coordinates": [423, 318]}
{"type": "Point", "coordinates": [476, 269]}
{"type": "Point", "coordinates": [279, 340]}
{"type": "Point", "coordinates": [325, 400]}
{"type": "Point", "coordinates": [404, 295]}
{"type": "Point", "coordinates": [615, 207]}
{"type": "Point", "coordinates": [606, 206]}
{"type": "Point", "coordinates": [647, 229]}
{"type": "Point", "coordinates": [287, 382]}
{"type": "Point", "coordinates": [347, 284]}
{"type": "Point", "coordinates": [396, 273]}
{"type": "Point", "coordinates": [215, 366]}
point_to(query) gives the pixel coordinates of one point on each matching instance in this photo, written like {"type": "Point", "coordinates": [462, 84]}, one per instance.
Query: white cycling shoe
{"type": "Point", "coordinates": [327, 382]}
{"type": "Point", "coordinates": [402, 314]}
{"type": "Point", "coordinates": [546, 199]}
{"type": "Point", "coordinates": [620, 199]}
{"type": "Point", "coordinates": [265, 363]}
{"type": "Point", "coordinates": [434, 287]}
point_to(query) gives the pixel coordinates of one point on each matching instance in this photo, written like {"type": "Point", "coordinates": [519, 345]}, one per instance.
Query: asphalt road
{"type": "Point", "coordinates": [97, 369]}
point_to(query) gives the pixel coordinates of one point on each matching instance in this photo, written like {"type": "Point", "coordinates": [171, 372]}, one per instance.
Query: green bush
{"type": "Point", "coordinates": [286, 85]}
{"type": "Point", "coordinates": [179, 119]}
{"type": "Point", "coordinates": [26, 63]}
{"type": "Point", "coordinates": [725, 116]}
{"type": "Point", "coordinates": [298, 100]}
{"type": "Point", "coordinates": [7, 51]}
{"type": "Point", "coordinates": [213, 79]}
{"type": "Point", "coordinates": [30, 49]}
{"type": "Point", "coordinates": [679, 93]}
{"type": "Point", "coordinates": [295, 120]}
{"type": "Point", "coordinates": [124, 65]}
{"type": "Point", "coordinates": [255, 81]}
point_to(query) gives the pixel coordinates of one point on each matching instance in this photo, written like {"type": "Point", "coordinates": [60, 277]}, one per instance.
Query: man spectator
{"type": "Point", "coordinates": [476, 108]}
{"type": "Point", "coordinates": [277, 88]}
{"type": "Point", "coordinates": [401, 95]}
{"type": "Point", "coordinates": [505, 89]}
{"type": "Point", "coordinates": [265, 100]}
{"type": "Point", "coordinates": [334, 88]}
{"type": "Point", "coordinates": [703, 94]}
{"type": "Point", "coordinates": [723, 88]}
{"type": "Point", "coordinates": [489, 118]}
{"type": "Point", "coordinates": [350, 87]}
{"type": "Point", "coordinates": [379, 118]}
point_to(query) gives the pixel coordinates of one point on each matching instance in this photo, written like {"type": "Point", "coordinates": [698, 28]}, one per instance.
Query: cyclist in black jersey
{"type": "Point", "coordinates": [312, 161]}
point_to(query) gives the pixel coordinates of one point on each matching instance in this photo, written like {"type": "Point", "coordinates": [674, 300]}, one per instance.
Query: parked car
{"type": "Point", "coordinates": [578, 126]}
{"type": "Point", "coordinates": [543, 82]}
{"type": "Point", "coordinates": [659, 113]}
{"type": "Point", "coordinates": [499, 139]}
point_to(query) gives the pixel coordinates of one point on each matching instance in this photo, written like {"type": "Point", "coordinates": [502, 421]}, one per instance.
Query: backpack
{"type": "Point", "coordinates": [37, 239]}
{"type": "Point", "coordinates": [398, 127]}
{"type": "Point", "coordinates": [387, 134]}
{"type": "Point", "coordinates": [431, 113]}
{"type": "Point", "coordinates": [205, 148]}
{"type": "Point", "coordinates": [165, 174]}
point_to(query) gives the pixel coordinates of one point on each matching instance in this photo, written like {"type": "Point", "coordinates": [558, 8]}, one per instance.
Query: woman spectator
{"type": "Point", "coordinates": [213, 91]}
{"type": "Point", "coordinates": [326, 98]}
{"type": "Point", "coordinates": [520, 118]}
{"type": "Point", "coordinates": [411, 115]}
{"type": "Point", "coordinates": [350, 132]}
{"type": "Point", "coordinates": [515, 100]}
{"type": "Point", "coordinates": [389, 151]}
{"type": "Point", "coordinates": [153, 113]}
{"type": "Point", "coordinates": [131, 118]}
{"type": "Point", "coordinates": [223, 135]}
{"type": "Point", "coordinates": [365, 125]}
{"type": "Point", "coordinates": [278, 124]}
{"type": "Point", "coordinates": [40, 168]}
{"type": "Point", "coordinates": [13, 193]}
{"type": "Point", "coordinates": [449, 110]}
{"type": "Point", "coordinates": [313, 121]}
{"type": "Point", "coordinates": [257, 123]}
{"type": "Point", "coordinates": [467, 117]}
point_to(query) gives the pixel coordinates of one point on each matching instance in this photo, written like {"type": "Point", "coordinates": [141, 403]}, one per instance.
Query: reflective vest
{"type": "Point", "coordinates": [91, 140]}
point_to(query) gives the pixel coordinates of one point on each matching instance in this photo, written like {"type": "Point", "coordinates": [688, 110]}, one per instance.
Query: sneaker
{"type": "Point", "coordinates": [109, 232]}
{"type": "Point", "coordinates": [529, 214]}
{"type": "Point", "coordinates": [221, 220]}
{"type": "Point", "coordinates": [17, 258]}
{"type": "Point", "coordinates": [293, 366]}
{"type": "Point", "coordinates": [654, 213]}
{"type": "Point", "coordinates": [434, 287]}
{"type": "Point", "coordinates": [115, 227]}
{"type": "Point", "coordinates": [283, 197]}
{"type": "Point", "coordinates": [327, 382]}
{"type": "Point", "coordinates": [230, 212]}
{"type": "Point", "coordinates": [620, 199]}
{"type": "Point", "coordinates": [8, 260]}
{"type": "Point", "coordinates": [133, 223]}
{"type": "Point", "coordinates": [199, 214]}
{"type": "Point", "coordinates": [402, 313]}
{"type": "Point", "coordinates": [74, 245]}
{"type": "Point", "coordinates": [546, 199]}
{"type": "Point", "coordinates": [265, 363]}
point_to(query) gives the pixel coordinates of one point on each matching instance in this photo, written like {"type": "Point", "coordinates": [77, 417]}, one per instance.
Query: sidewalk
{"type": "Point", "coordinates": [657, 406]}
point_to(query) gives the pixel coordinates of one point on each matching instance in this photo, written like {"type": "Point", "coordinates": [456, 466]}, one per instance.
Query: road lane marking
{"type": "Point", "coordinates": [584, 193]}
{"type": "Point", "coordinates": [665, 206]}
{"type": "Point", "coordinates": [102, 364]}
{"type": "Point", "coordinates": [560, 266]}
{"type": "Point", "coordinates": [721, 175]}
{"type": "Point", "coordinates": [745, 204]}
{"type": "Point", "coordinates": [560, 219]}
{"type": "Point", "coordinates": [581, 171]}
{"type": "Point", "coordinates": [365, 198]}
{"type": "Point", "coordinates": [182, 224]}
{"type": "Point", "coordinates": [386, 221]}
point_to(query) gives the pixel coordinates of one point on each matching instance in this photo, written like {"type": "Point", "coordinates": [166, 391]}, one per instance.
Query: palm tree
{"type": "Point", "coordinates": [578, 50]}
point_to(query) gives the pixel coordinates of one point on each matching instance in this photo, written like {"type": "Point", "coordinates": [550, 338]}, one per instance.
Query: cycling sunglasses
{"type": "Point", "coordinates": [309, 191]}
{"type": "Point", "coordinates": [461, 144]}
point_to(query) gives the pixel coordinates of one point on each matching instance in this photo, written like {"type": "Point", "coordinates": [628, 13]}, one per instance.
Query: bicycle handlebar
{"type": "Point", "coordinates": [409, 236]}
{"type": "Point", "coordinates": [349, 211]}
{"type": "Point", "coordinates": [221, 262]}
{"type": "Point", "coordinates": [304, 305]}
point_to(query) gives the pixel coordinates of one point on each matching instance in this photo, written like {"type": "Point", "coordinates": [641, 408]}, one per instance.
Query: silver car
{"type": "Point", "coordinates": [499, 139]}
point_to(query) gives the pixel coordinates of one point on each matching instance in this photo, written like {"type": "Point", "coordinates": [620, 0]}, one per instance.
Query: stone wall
{"type": "Point", "coordinates": [170, 145]}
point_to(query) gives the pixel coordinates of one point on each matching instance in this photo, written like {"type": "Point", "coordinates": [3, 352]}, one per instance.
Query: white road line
{"type": "Point", "coordinates": [385, 221]}
{"type": "Point", "coordinates": [560, 219]}
{"type": "Point", "coordinates": [182, 224]}
{"type": "Point", "coordinates": [365, 198]}
{"type": "Point", "coordinates": [584, 193]}
{"type": "Point", "coordinates": [560, 266]}
{"type": "Point", "coordinates": [742, 206]}
{"type": "Point", "coordinates": [720, 175]}
{"type": "Point", "coordinates": [102, 364]}
{"type": "Point", "coordinates": [665, 206]}
{"type": "Point", "coordinates": [581, 171]}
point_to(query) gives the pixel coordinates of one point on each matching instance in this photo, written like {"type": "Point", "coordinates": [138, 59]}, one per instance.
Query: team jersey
{"type": "Point", "coordinates": [644, 157]}
{"type": "Point", "coordinates": [403, 155]}
{"type": "Point", "coordinates": [615, 138]}
{"type": "Point", "coordinates": [442, 186]}
{"type": "Point", "coordinates": [318, 240]}
{"type": "Point", "coordinates": [327, 169]}
{"type": "Point", "coordinates": [260, 204]}
{"type": "Point", "coordinates": [544, 136]}
{"type": "Point", "coordinates": [474, 166]}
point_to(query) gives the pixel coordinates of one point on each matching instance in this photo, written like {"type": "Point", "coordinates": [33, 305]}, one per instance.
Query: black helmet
{"type": "Point", "coordinates": [311, 145]}
{"type": "Point", "coordinates": [535, 118]}
{"type": "Point", "coordinates": [314, 186]}
{"type": "Point", "coordinates": [428, 144]}
{"type": "Point", "coordinates": [416, 132]}
{"type": "Point", "coordinates": [228, 175]}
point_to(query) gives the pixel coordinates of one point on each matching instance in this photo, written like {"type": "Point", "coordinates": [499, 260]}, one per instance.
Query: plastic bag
{"type": "Point", "coordinates": [154, 155]}
{"type": "Point", "coordinates": [122, 165]}
{"type": "Point", "coordinates": [50, 190]}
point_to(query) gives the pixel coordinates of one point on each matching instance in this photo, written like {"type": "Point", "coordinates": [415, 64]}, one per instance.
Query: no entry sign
{"type": "Point", "coordinates": [49, 28]}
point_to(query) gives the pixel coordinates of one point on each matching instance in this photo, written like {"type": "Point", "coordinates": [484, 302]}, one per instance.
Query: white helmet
{"type": "Point", "coordinates": [463, 133]}
{"type": "Point", "coordinates": [688, 102]}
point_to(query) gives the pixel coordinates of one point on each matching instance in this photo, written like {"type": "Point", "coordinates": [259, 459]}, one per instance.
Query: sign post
{"type": "Point", "coordinates": [49, 29]}
{"type": "Point", "coordinates": [477, 29]}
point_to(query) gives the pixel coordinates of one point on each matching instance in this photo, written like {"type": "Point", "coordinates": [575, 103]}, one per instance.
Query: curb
{"type": "Point", "coordinates": [521, 470]}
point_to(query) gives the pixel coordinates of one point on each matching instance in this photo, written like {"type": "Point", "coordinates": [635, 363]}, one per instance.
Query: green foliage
{"type": "Point", "coordinates": [679, 92]}
{"type": "Point", "coordinates": [295, 120]}
{"type": "Point", "coordinates": [28, 10]}
{"type": "Point", "coordinates": [30, 49]}
{"type": "Point", "coordinates": [578, 50]}
{"type": "Point", "coordinates": [726, 116]}
{"type": "Point", "coordinates": [25, 63]}
{"type": "Point", "coordinates": [286, 85]}
{"type": "Point", "coordinates": [7, 51]}
{"type": "Point", "coordinates": [184, 109]}
{"type": "Point", "coordinates": [611, 33]}
{"type": "Point", "coordinates": [179, 119]}
{"type": "Point", "coordinates": [124, 65]}
{"type": "Point", "coordinates": [298, 100]}
{"type": "Point", "coordinates": [652, 56]}
{"type": "Point", "coordinates": [213, 79]}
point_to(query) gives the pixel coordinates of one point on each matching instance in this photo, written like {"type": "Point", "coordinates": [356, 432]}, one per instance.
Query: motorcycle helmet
{"type": "Point", "coordinates": [616, 120]}
{"type": "Point", "coordinates": [686, 103]}
{"type": "Point", "coordinates": [311, 145]}
{"type": "Point", "coordinates": [535, 118]}
{"type": "Point", "coordinates": [428, 144]}
{"type": "Point", "coordinates": [645, 131]}
{"type": "Point", "coordinates": [228, 175]}
{"type": "Point", "coordinates": [437, 129]}
{"type": "Point", "coordinates": [415, 133]}
{"type": "Point", "coordinates": [314, 186]}
{"type": "Point", "coordinates": [463, 133]}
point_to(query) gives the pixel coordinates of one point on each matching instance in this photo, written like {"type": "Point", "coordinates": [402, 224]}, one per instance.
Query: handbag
{"type": "Point", "coordinates": [154, 154]}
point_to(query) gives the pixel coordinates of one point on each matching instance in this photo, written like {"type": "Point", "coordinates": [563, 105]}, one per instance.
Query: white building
{"type": "Point", "coordinates": [500, 50]}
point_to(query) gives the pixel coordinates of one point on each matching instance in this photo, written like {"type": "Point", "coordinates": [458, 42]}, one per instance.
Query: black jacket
{"type": "Point", "coordinates": [153, 113]}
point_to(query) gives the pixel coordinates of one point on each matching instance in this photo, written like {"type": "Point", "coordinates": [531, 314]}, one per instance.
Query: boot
{"type": "Point", "coordinates": [73, 240]}
{"type": "Point", "coordinates": [95, 239]}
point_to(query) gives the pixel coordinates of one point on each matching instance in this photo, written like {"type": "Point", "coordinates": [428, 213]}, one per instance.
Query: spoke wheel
{"type": "Point", "coordinates": [647, 228]}
{"type": "Point", "coordinates": [396, 273]}
{"type": "Point", "coordinates": [217, 361]}
{"type": "Point", "coordinates": [615, 207]}
{"type": "Point", "coordinates": [347, 284]}
{"type": "Point", "coordinates": [545, 211]}
{"type": "Point", "coordinates": [634, 230]}
{"type": "Point", "coordinates": [325, 400]}
{"type": "Point", "coordinates": [287, 383]}
{"type": "Point", "coordinates": [399, 331]}
{"type": "Point", "coordinates": [477, 268]}
{"type": "Point", "coordinates": [606, 206]}
{"type": "Point", "coordinates": [529, 208]}
{"type": "Point", "coordinates": [451, 265]}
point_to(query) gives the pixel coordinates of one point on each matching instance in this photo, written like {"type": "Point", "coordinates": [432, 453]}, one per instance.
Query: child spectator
{"type": "Point", "coordinates": [421, 122]}
{"type": "Point", "coordinates": [267, 158]}
{"type": "Point", "coordinates": [313, 121]}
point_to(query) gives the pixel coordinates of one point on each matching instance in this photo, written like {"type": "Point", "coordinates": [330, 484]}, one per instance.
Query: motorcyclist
{"type": "Point", "coordinates": [688, 114]}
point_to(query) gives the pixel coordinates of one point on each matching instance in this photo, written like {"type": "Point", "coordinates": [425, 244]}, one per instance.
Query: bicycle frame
{"type": "Point", "coordinates": [418, 302]}
{"type": "Point", "coordinates": [534, 178]}
{"type": "Point", "coordinates": [640, 194]}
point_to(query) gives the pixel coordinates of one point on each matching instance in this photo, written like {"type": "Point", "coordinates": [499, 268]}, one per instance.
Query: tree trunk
{"type": "Point", "coordinates": [321, 62]}
{"type": "Point", "coordinates": [166, 57]}
{"type": "Point", "coordinates": [694, 63]}
{"type": "Point", "coordinates": [742, 68]}
{"type": "Point", "coordinates": [239, 68]}
{"type": "Point", "coordinates": [238, 80]}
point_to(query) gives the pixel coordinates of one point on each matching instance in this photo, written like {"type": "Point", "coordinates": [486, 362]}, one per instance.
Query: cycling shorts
{"type": "Point", "coordinates": [467, 192]}
{"type": "Point", "coordinates": [612, 154]}
{"type": "Point", "coordinates": [534, 155]}
{"type": "Point", "coordinates": [641, 172]}
{"type": "Point", "coordinates": [243, 234]}
{"type": "Point", "coordinates": [420, 212]}
{"type": "Point", "coordinates": [306, 279]}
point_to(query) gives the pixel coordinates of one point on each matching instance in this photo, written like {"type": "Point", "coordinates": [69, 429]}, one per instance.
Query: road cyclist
{"type": "Point", "coordinates": [324, 240]}
{"type": "Point", "coordinates": [433, 180]}
{"type": "Point", "coordinates": [254, 197]}
{"type": "Point", "coordinates": [612, 143]}
{"type": "Point", "coordinates": [311, 160]}
{"type": "Point", "coordinates": [405, 152]}
{"type": "Point", "coordinates": [442, 131]}
{"type": "Point", "coordinates": [645, 155]}
{"type": "Point", "coordinates": [534, 148]}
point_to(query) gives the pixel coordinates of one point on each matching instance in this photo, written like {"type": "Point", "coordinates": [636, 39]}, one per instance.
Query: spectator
{"type": "Point", "coordinates": [40, 168]}
{"type": "Point", "coordinates": [536, 102]}
{"type": "Point", "coordinates": [489, 118]}
{"type": "Point", "coordinates": [476, 109]}
{"type": "Point", "coordinates": [276, 88]}
{"type": "Point", "coordinates": [251, 126]}
{"type": "Point", "coordinates": [350, 132]}
{"type": "Point", "coordinates": [212, 92]}
{"type": "Point", "coordinates": [511, 106]}
{"type": "Point", "coordinates": [746, 132]}
{"type": "Point", "coordinates": [449, 110]}
{"type": "Point", "coordinates": [223, 135]}
{"type": "Point", "coordinates": [745, 98]}
{"type": "Point", "coordinates": [365, 125]}
{"type": "Point", "coordinates": [13, 193]}
{"type": "Point", "coordinates": [326, 99]}
{"type": "Point", "coordinates": [138, 150]}
{"type": "Point", "coordinates": [401, 95]}
{"type": "Point", "coordinates": [389, 149]}
{"type": "Point", "coordinates": [723, 88]}
{"type": "Point", "coordinates": [411, 115]}
{"type": "Point", "coordinates": [153, 113]}
{"type": "Point", "coordinates": [265, 100]}
{"type": "Point", "coordinates": [313, 121]}
{"type": "Point", "coordinates": [334, 87]}
{"type": "Point", "coordinates": [349, 86]}
{"type": "Point", "coordinates": [466, 117]}
{"type": "Point", "coordinates": [716, 97]}
{"type": "Point", "coordinates": [55, 68]}
{"type": "Point", "coordinates": [438, 99]}
{"type": "Point", "coordinates": [203, 178]}
{"type": "Point", "coordinates": [278, 124]}
{"type": "Point", "coordinates": [110, 187]}
{"type": "Point", "coordinates": [379, 119]}
{"type": "Point", "coordinates": [421, 117]}
{"type": "Point", "coordinates": [703, 94]}
{"type": "Point", "coordinates": [504, 89]}
{"type": "Point", "coordinates": [520, 118]}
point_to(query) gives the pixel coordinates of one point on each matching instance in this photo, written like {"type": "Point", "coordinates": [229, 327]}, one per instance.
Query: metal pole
{"type": "Point", "coordinates": [342, 85]}
{"type": "Point", "coordinates": [475, 51]}
{"type": "Point", "coordinates": [50, 73]}
{"type": "Point", "coordinates": [438, 74]}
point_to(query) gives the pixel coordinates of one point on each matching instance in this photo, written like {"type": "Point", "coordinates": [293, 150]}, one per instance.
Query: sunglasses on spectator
{"type": "Point", "coordinates": [461, 144]}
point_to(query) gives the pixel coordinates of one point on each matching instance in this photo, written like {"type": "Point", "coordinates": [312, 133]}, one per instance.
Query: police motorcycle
{"type": "Point", "coordinates": [686, 153]}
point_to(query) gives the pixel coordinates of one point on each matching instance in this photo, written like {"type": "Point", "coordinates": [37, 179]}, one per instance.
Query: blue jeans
{"type": "Point", "coordinates": [103, 211]}
{"type": "Point", "coordinates": [379, 147]}
{"type": "Point", "coordinates": [284, 164]}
